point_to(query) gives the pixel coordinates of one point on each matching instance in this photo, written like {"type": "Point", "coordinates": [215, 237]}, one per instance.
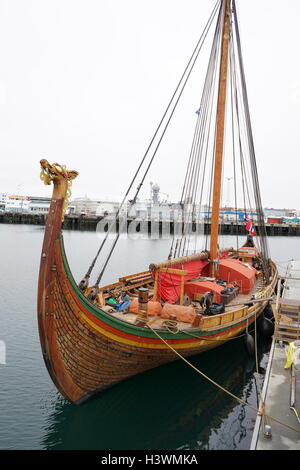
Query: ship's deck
{"type": "Point", "coordinates": [158, 322]}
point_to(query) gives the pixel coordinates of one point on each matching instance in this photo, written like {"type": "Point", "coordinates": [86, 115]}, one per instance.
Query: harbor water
{"type": "Point", "coordinates": [171, 407]}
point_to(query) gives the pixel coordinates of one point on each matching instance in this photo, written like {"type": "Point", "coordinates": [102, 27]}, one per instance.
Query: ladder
{"type": "Point", "coordinates": [287, 316]}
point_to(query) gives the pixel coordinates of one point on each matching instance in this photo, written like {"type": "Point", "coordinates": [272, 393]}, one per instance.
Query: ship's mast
{"type": "Point", "coordinates": [220, 129]}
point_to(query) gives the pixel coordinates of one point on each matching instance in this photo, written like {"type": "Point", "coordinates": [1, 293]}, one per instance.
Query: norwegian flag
{"type": "Point", "coordinates": [249, 225]}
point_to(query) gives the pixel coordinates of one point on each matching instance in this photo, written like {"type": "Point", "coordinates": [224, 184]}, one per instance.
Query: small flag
{"type": "Point", "coordinates": [198, 112]}
{"type": "Point", "coordinates": [249, 225]}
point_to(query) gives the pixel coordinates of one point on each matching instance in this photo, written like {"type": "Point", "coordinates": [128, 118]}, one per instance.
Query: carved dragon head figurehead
{"type": "Point", "coordinates": [51, 172]}
{"type": "Point", "coordinates": [61, 178]}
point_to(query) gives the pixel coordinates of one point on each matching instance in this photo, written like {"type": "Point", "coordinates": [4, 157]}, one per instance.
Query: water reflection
{"type": "Point", "coordinates": [170, 407]}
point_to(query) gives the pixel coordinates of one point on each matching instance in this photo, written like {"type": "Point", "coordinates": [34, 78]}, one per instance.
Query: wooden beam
{"type": "Point", "coordinates": [155, 286]}
{"type": "Point", "coordinates": [142, 274]}
{"type": "Point", "coordinates": [181, 260]}
{"type": "Point", "coordinates": [181, 272]}
{"type": "Point", "coordinates": [291, 278]}
{"type": "Point", "coordinates": [182, 289]}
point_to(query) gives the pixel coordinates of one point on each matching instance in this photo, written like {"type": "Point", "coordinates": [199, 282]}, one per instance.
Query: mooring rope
{"type": "Point", "coordinates": [203, 338]}
{"type": "Point", "coordinates": [257, 410]}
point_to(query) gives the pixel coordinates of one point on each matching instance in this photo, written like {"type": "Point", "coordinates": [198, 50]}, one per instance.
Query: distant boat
{"type": "Point", "coordinates": [94, 336]}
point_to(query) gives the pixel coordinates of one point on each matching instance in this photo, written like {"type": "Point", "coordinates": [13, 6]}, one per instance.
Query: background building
{"type": "Point", "coordinates": [2, 202]}
{"type": "Point", "coordinates": [14, 203]}
{"type": "Point", "coordinates": [154, 208]}
{"type": "Point", "coordinates": [87, 206]}
{"type": "Point", "coordinates": [24, 204]}
{"type": "Point", "coordinates": [271, 212]}
{"type": "Point", "coordinates": [39, 205]}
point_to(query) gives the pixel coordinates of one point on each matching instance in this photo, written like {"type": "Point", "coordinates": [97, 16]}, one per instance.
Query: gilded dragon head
{"type": "Point", "coordinates": [62, 179]}
{"type": "Point", "coordinates": [50, 172]}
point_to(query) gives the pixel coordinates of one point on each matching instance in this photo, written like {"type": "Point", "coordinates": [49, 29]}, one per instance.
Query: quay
{"type": "Point", "coordinates": [83, 222]}
{"type": "Point", "coordinates": [280, 396]}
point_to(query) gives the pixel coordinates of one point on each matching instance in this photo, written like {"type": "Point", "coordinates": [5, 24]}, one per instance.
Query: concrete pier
{"type": "Point", "coordinates": [277, 388]}
{"type": "Point", "coordinates": [276, 396]}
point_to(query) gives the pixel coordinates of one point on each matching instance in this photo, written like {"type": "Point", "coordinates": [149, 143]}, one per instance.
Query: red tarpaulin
{"type": "Point", "coordinates": [230, 270]}
{"type": "Point", "coordinates": [168, 288]}
{"type": "Point", "coordinates": [201, 287]}
{"type": "Point", "coordinates": [234, 270]}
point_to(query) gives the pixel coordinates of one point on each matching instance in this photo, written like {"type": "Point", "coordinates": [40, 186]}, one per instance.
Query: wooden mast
{"type": "Point", "coordinates": [219, 144]}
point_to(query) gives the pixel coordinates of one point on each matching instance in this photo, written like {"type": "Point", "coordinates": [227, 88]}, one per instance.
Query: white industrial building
{"type": "Point", "coordinates": [87, 206]}
{"type": "Point", "coordinates": [15, 203]}
{"type": "Point", "coordinates": [39, 205]}
{"type": "Point", "coordinates": [24, 204]}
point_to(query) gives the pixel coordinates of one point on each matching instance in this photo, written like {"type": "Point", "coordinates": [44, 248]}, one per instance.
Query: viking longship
{"type": "Point", "coordinates": [94, 336]}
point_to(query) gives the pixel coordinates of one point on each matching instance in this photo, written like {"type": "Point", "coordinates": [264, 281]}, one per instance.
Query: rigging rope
{"type": "Point", "coordinates": [203, 145]}
{"type": "Point", "coordinates": [241, 138]}
{"type": "Point", "coordinates": [83, 284]}
{"type": "Point", "coordinates": [200, 142]}
{"type": "Point", "coordinates": [234, 149]}
{"type": "Point", "coordinates": [241, 124]}
{"type": "Point", "coordinates": [262, 228]}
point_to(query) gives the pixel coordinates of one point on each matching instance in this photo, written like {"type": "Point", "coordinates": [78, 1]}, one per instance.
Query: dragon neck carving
{"type": "Point", "coordinates": [61, 178]}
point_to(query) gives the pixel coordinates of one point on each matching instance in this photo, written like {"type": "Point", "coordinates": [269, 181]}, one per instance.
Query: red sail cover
{"type": "Point", "coordinates": [192, 288]}
{"type": "Point", "coordinates": [168, 288]}
{"type": "Point", "coordinates": [242, 273]}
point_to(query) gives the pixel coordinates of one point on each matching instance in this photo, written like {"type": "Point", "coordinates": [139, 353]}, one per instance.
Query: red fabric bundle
{"type": "Point", "coordinates": [168, 288]}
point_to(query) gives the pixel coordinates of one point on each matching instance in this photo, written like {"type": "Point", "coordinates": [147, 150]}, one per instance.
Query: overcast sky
{"type": "Point", "coordinates": [84, 83]}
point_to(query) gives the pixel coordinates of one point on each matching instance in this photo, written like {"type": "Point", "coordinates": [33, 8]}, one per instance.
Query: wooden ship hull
{"type": "Point", "coordinates": [87, 350]}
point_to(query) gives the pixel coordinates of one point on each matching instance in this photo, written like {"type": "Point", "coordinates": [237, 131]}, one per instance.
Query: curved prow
{"type": "Point", "coordinates": [49, 272]}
